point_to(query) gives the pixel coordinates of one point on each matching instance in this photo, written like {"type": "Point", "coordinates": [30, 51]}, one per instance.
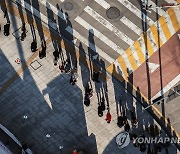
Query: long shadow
{"type": "Point", "coordinates": [38, 21]}
{"type": "Point", "coordinates": [71, 116]}
{"type": "Point", "coordinates": [52, 25]}
{"type": "Point", "coordinates": [144, 28]}
{"type": "Point", "coordinates": [160, 63]}
{"type": "Point", "coordinates": [85, 72]}
{"type": "Point", "coordinates": [94, 59]}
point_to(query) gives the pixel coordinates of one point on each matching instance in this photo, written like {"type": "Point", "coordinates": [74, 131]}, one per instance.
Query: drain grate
{"type": "Point", "coordinates": [113, 13]}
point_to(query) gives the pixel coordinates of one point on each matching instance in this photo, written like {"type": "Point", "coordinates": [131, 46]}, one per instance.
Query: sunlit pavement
{"type": "Point", "coordinates": [53, 106]}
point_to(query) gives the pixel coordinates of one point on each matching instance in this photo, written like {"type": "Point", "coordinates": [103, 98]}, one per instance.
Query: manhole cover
{"type": "Point", "coordinates": [113, 13]}
{"type": "Point", "coordinates": [68, 6]}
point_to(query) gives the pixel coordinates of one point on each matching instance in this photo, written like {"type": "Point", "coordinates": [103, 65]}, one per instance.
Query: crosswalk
{"type": "Point", "coordinates": [119, 42]}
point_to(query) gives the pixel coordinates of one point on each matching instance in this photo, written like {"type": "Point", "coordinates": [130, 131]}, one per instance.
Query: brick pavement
{"type": "Point", "coordinates": [55, 107]}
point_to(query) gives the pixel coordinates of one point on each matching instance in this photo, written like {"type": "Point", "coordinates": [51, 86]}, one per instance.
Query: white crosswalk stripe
{"type": "Point", "coordinates": [136, 11]}
{"type": "Point", "coordinates": [99, 35]}
{"type": "Point", "coordinates": [131, 25]}
{"type": "Point", "coordinates": [108, 25]}
{"type": "Point", "coordinates": [103, 3]}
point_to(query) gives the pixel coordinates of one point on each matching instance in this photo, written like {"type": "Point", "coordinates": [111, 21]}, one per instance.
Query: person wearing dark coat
{"type": "Point", "coordinates": [120, 121]}
{"type": "Point", "coordinates": [6, 29]}
{"type": "Point", "coordinates": [100, 111]}
{"type": "Point", "coordinates": [95, 77]}
{"type": "Point", "coordinates": [42, 53]}
{"type": "Point", "coordinates": [126, 126]}
{"type": "Point", "coordinates": [86, 100]}
{"type": "Point", "coordinates": [34, 46]}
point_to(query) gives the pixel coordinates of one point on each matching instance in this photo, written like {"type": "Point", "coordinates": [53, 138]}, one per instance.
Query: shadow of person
{"type": "Point", "coordinates": [84, 64]}
{"type": "Point", "coordinates": [53, 29]}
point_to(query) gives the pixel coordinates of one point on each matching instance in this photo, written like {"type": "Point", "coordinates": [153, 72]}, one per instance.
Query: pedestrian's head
{"type": "Point", "coordinates": [108, 122]}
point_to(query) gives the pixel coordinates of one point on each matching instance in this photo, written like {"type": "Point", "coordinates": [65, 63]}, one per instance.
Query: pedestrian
{"type": "Point", "coordinates": [67, 66]}
{"type": "Point", "coordinates": [72, 80]}
{"type": "Point", "coordinates": [23, 28]}
{"type": "Point", "coordinates": [23, 34]}
{"type": "Point", "coordinates": [100, 111]}
{"type": "Point", "coordinates": [55, 61]}
{"type": "Point", "coordinates": [34, 46]}
{"type": "Point", "coordinates": [103, 103]}
{"type": "Point", "coordinates": [142, 146]}
{"type": "Point", "coordinates": [86, 100]}
{"type": "Point", "coordinates": [62, 67]}
{"type": "Point", "coordinates": [88, 91]}
{"type": "Point", "coordinates": [75, 74]}
{"type": "Point", "coordinates": [42, 53]}
{"type": "Point", "coordinates": [56, 54]}
{"type": "Point", "coordinates": [120, 121]}
{"type": "Point", "coordinates": [6, 29]}
{"type": "Point", "coordinates": [126, 126]}
{"type": "Point", "coordinates": [108, 117]}
{"type": "Point", "coordinates": [133, 118]}
{"type": "Point", "coordinates": [95, 77]}
{"type": "Point", "coordinates": [133, 137]}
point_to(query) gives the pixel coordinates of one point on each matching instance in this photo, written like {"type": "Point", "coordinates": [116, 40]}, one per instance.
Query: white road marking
{"type": "Point", "coordinates": [152, 66]}
{"type": "Point", "coordinates": [167, 87]}
{"type": "Point", "coordinates": [87, 43]}
{"type": "Point", "coordinates": [108, 25]}
{"type": "Point", "coordinates": [99, 35]}
{"type": "Point", "coordinates": [103, 3]}
{"type": "Point", "coordinates": [136, 11]}
{"type": "Point", "coordinates": [131, 25]}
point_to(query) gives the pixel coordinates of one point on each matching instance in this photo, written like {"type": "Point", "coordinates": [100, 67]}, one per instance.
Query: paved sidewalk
{"type": "Point", "coordinates": [53, 106]}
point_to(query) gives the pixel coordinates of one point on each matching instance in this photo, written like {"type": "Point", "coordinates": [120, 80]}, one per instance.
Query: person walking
{"type": "Point", "coordinates": [74, 76]}
{"type": "Point", "coordinates": [6, 29]}
{"type": "Point", "coordinates": [34, 46]}
{"type": "Point", "coordinates": [42, 53]}
{"type": "Point", "coordinates": [108, 116]}
{"type": "Point", "coordinates": [126, 126]}
{"type": "Point", "coordinates": [95, 76]}
{"type": "Point", "coordinates": [133, 118]}
{"type": "Point", "coordinates": [23, 34]}
{"type": "Point", "coordinates": [67, 66]}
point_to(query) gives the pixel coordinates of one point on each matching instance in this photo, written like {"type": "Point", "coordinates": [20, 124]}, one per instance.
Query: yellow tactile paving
{"type": "Point", "coordinates": [138, 49]}
{"type": "Point", "coordinates": [131, 58]}
{"type": "Point", "coordinates": [174, 20]}
{"type": "Point", "coordinates": [165, 28]}
{"type": "Point", "coordinates": [156, 36]}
